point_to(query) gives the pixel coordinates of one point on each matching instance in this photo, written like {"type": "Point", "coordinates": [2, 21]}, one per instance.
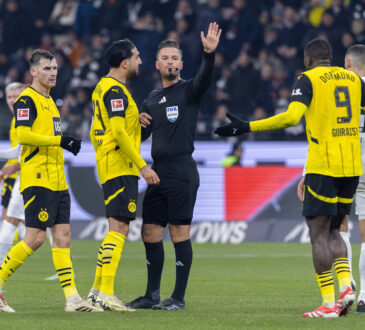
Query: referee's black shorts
{"type": "Point", "coordinates": [327, 195]}
{"type": "Point", "coordinates": [46, 208]}
{"type": "Point", "coordinates": [173, 200]}
{"type": "Point", "coordinates": [6, 191]}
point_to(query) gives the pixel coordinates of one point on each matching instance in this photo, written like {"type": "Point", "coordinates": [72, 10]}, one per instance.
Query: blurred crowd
{"type": "Point", "coordinates": [257, 61]}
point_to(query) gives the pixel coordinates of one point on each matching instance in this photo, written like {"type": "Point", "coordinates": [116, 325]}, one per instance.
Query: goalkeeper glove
{"type": "Point", "coordinates": [236, 127]}
{"type": "Point", "coordinates": [71, 144]}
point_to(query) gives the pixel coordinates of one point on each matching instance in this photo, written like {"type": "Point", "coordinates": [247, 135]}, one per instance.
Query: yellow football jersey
{"type": "Point", "coordinates": [111, 98]}
{"type": "Point", "coordinates": [40, 166]}
{"type": "Point", "coordinates": [333, 97]}
{"type": "Point", "coordinates": [13, 143]}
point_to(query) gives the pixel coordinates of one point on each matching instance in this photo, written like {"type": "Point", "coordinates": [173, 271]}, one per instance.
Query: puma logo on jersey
{"type": "Point", "coordinates": [163, 100]}
{"type": "Point", "coordinates": [296, 92]}
{"type": "Point", "coordinates": [24, 101]}
{"type": "Point", "coordinates": [115, 90]}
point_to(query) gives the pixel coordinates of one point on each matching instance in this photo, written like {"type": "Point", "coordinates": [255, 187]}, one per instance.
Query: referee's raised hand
{"type": "Point", "coordinates": [71, 144]}
{"type": "Point", "coordinates": [150, 175]}
{"type": "Point", "coordinates": [211, 40]}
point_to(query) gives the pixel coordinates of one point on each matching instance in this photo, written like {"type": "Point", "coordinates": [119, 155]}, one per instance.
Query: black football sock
{"type": "Point", "coordinates": [184, 258]}
{"type": "Point", "coordinates": [155, 258]}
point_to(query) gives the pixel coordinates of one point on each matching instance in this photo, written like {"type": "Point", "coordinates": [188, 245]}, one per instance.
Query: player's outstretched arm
{"type": "Point", "coordinates": [283, 120]}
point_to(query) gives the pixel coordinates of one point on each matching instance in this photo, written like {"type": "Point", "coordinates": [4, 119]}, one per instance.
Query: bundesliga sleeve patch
{"type": "Point", "coordinates": [23, 114]}
{"type": "Point", "coordinates": [117, 105]}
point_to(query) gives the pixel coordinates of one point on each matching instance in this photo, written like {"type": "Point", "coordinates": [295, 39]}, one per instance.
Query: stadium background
{"type": "Point", "coordinates": [257, 62]}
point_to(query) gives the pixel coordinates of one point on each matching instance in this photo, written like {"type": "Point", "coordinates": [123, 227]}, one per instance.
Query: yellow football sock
{"type": "Point", "coordinates": [342, 270]}
{"type": "Point", "coordinates": [112, 251]}
{"type": "Point", "coordinates": [63, 264]}
{"type": "Point", "coordinates": [13, 260]}
{"type": "Point", "coordinates": [325, 283]}
{"type": "Point", "coordinates": [16, 236]}
{"type": "Point", "coordinates": [99, 267]}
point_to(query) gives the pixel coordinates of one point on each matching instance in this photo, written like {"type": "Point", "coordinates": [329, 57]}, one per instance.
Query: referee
{"type": "Point", "coordinates": [170, 114]}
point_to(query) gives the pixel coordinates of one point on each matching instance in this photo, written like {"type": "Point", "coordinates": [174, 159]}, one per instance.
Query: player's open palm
{"type": "Point", "coordinates": [211, 40]}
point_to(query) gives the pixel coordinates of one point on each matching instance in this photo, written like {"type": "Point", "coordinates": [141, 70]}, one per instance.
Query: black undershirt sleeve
{"type": "Point", "coordinates": [202, 79]}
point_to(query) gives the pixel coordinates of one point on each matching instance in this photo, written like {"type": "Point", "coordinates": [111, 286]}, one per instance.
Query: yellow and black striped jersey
{"type": "Point", "coordinates": [112, 99]}
{"type": "Point", "coordinates": [333, 97]}
{"type": "Point", "coordinates": [40, 166]}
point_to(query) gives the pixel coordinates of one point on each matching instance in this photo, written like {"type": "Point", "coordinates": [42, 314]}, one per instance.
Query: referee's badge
{"type": "Point", "coordinates": [172, 113]}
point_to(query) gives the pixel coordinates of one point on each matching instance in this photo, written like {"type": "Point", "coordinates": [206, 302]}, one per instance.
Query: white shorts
{"type": "Point", "coordinates": [360, 201]}
{"type": "Point", "coordinates": [16, 203]}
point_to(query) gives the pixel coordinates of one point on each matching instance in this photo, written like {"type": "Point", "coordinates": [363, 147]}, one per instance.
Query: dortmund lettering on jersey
{"type": "Point", "coordinates": [40, 166]}
{"type": "Point", "coordinates": [333, 96]}
{"type": "Point", "coordinates": [110, 99]}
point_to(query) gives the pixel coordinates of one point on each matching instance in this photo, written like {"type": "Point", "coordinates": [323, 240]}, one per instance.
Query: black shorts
{"type": "Point", "coordinates": [173, 200]}
{"type": "Point", "coordinates": [326, 195]}
{"type": "Point", "coordinates": [6, 191]}
{"type": "Point", "coordinates": [46, 208]}
{"type": "Point", "coordinates": [120, 196]}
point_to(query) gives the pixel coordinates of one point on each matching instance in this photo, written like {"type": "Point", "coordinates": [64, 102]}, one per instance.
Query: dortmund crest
{"type": "Point", "coordinates": [43, 215]}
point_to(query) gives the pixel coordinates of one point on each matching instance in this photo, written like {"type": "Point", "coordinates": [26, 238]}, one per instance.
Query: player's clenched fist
{"type": "Point", "coordinates": [71, 144]}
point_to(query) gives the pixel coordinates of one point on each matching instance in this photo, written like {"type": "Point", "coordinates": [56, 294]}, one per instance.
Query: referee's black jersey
{"type": "Point", "coordinates": [174, 112]}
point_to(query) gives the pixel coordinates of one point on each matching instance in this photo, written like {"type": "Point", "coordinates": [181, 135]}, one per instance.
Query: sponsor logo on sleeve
{"type": "Point", "coordinates": [296, 92]}
{"type": "Point", "coordinates": [23, 114]}
{"type": "Point", "coordinates": [172, 113]}
{"type": "Point", "coordinates": [117, 105]}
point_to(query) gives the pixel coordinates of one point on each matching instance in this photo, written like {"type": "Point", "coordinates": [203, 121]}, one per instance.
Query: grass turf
{"type": "Point", "coordinates": [246, 286]}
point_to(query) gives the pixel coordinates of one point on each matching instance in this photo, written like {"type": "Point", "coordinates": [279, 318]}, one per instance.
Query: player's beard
{"type": "Point", "coordinates": [133, 74]}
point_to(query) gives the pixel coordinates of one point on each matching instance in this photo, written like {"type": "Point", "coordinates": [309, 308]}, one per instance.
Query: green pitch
{"type": "Point", "coordinates": [246, 286]}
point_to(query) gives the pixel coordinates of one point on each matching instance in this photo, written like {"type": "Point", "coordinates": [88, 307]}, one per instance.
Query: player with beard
{"type": "Point", "coordinates": [116, 136]}
{"type": "Point", "coordinates": [170, 114]}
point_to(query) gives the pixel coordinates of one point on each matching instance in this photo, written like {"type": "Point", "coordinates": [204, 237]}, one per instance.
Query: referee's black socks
{"type": "Point", "coordinates": [155, 258]}
{"type": "Point", "coordinates": [184, 258]}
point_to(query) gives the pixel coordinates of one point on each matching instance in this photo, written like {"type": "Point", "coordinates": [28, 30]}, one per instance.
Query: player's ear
{"type": "Point", "coordinates": [157, 65]}
{"type": "Point", "coordinates": [33, 72]}
{"type": "Point", "coordinates": [181, 65]}
{"type": "Point", "coordinates": [124, 64]}
{"type": "Point", "coordinates": [348, 63]}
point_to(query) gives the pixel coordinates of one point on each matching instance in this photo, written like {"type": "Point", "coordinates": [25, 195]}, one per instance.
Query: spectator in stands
{"type": "Point", "coordinates": [242, 86]}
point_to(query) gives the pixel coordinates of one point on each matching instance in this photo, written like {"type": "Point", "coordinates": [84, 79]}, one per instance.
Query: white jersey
{"type": "Point", "coordinates": [362, 140]}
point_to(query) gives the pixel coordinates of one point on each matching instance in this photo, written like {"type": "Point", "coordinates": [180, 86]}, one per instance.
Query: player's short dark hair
{"type": "Point", "coordinates": [318, 49]}
{"type": "Point", "coordinates": [119, 51]}
{"type": "Point", "coordinates": [38, 54]}
{"type": "Point", "coordinates": [357, 54]}
{"type": "Point", "coordinates": [168, 43]}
